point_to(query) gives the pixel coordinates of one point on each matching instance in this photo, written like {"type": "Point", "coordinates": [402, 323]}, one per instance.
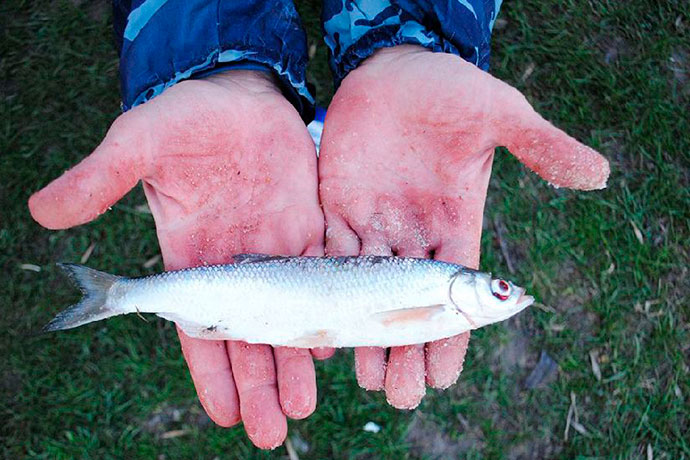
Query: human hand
{"type": "Point", "coordinates": [228, 167]}
{"type": "Point", "coordinates": [404, 167]}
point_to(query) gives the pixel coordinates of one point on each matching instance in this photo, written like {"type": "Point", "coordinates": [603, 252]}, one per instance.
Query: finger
{"type": "Point", "coordinates": [322, 353]}
{"type": "Point", "coordinates": [370, 367]}
{"type": "Point", "coordinates": [370, 362]}
{"type": "Point", "coordinates": [341, 240]}
{"type": "Point", "coordinates": [404, 383]}
{"type": "Point", "coordinates": [375, 244]}
{"type": "Point", "coordinates": [210, 369]}
{"type": "Point", "coordinates": [97, 182]}
{"type": "Point", "coordinates": [545, 149]}
{"type": "Point", "coordinates": [296, 381]}
{"type": "Point", "coordinates": [444, 359]}
{"type": "Point", "coordinates": [255, 377]}
{"type": "Point", "coordinates": [315, 249]}
{"type": "Point", "coordinates": [412, 250]}
{"type": "Point", "coordinates": [405, 377]}
{"type": "Point", "coordinates": [463, 249]}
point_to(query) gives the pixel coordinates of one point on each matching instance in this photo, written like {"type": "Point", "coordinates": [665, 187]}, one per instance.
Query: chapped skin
{"type": "Point", "coordinates": [405, 162]}
{"type": "Point", "coordinates": [227, 167]}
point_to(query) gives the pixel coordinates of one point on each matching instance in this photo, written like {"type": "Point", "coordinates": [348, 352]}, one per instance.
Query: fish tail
{"type": "Point", "coordinates": [93, 306]}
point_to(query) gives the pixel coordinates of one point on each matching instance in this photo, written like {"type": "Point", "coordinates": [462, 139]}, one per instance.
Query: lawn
{"type": "Point", "coordinates": [609, 268]}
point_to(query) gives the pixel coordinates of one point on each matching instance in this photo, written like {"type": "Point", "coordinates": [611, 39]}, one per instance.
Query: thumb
{"type": "Point", "coordinates": [97, 182]}
{"type": "Point", "coordinates": [545, 149]}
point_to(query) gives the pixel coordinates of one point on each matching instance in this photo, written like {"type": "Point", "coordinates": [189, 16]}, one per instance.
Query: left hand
{"type": "Point", "coordinates": [228, 167]}
{"type": "Point", "coordinates": [405, 163]}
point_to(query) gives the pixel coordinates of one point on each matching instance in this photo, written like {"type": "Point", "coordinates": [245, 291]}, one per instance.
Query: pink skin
{"type": "Point", "coordinates": [405, 162]}
{"type": "Point", "coordinates": [228, 167]}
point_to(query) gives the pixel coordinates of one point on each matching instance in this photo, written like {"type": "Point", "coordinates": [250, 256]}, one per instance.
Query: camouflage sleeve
{"type": "Point", "coordinates": [354, 29]}
{"type": "Point", "coordinates": [162, 42]}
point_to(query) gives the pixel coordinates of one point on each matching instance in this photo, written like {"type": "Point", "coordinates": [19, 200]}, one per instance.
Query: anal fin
{"type": "Point", "coordinates": [196, 330]}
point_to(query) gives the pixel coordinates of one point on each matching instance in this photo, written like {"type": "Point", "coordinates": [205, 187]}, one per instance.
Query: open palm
{"type": "Point", "coordinates": [228, 167]}
{"type": "Point", "coordinates": [405, 162]}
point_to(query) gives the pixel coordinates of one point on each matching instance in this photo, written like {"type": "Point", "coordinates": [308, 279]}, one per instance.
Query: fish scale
{"type": "Point", "coordinates": [304, 301]}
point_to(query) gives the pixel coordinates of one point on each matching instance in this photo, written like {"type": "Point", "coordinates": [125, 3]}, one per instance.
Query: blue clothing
{"type": "Point", "coordinates": [162, 42]}
{"type": "Point", "coordinates": [354, 29]}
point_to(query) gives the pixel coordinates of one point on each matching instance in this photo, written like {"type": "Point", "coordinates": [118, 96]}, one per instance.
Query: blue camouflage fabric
{"type": "Point", "coordinates": [162, 42]}
{"type": "Point", "coordinates": [354, 29]}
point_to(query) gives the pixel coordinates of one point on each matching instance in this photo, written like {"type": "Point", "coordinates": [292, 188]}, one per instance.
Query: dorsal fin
{"type": "Point", "coordinates": [250, 258]}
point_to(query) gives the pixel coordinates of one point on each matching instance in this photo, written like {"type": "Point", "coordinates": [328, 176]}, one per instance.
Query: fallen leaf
{"type": "Point", "coordinates": [545, 368]}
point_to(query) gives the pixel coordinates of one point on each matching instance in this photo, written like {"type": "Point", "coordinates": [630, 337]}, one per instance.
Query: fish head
{"type": "Point", "coordinates": [483, 300]}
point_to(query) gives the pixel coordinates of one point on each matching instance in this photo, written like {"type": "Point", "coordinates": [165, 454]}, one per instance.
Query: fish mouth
{"type": "Point", "coordinates": [524, 301]}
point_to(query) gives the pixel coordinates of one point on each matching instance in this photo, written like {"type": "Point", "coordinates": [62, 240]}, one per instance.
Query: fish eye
{"type": "Point", "coordinates": [500, 289]}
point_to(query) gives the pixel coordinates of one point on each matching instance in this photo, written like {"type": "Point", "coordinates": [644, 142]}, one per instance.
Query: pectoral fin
{"type": "Point", "coordinates": [408, 315]}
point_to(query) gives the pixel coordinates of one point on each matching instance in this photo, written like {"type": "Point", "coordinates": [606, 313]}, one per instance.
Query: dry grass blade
{"type": "Point", "coordinates": [543, 307]}
{"type": "Point", "coordinates": [174, 434]}
{"type": "Point", "coordinates": [569, 417]}
{"type": "Point", "coordinates": [594, 359]}
{"type": "Point", "coordinates": [573, 419]}
{"type": "Point", "coordinates": [30, 267]}
{"type": "Point", "coordinates": [677, 392]}
{"type": "Point", "coordinates": [528, 71]}
{"type": "Point", "coordinates": [87, 253]}
{"type": "Point", "coordinates": [143, 209]}
{"type": "Point", "coordinates": [579, 428]}
{"type": "Point", "coordinates": [292, 453]}
{"type": "Point", "coordinates": [152, 261]}
{"type": "Point", "coordinates": [638, 233]}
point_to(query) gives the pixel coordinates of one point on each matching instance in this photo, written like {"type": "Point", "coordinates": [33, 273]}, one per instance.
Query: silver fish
{"type": "Point", "coordinates": [305, 301]}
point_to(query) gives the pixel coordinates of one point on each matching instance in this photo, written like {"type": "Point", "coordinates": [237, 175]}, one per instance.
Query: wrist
{"type": "Point", "coordinates": [248, 81]}
{"type": "Point", "coordinates": [389, 54]}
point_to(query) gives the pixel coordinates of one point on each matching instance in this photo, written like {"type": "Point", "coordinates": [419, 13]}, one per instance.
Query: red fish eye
{"type": "Point", "coordinates": [500, 289]}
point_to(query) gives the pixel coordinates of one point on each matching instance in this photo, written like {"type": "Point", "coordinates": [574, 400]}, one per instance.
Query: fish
{"type": "Point", "coordinates": [304, 302]}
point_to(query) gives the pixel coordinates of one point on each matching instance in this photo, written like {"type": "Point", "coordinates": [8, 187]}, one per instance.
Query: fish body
{"type": "Point", "coordinates": [305, 301]}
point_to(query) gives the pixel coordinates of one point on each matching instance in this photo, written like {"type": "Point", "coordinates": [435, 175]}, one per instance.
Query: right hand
{"type": "Point", "coordinates": [228, 167]}
{"type": "Point", "coordinates": [405, 162]}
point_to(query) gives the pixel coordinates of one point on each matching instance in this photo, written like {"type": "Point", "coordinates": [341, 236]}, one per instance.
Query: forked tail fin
{"type": "Point", "coordinates": [92, 307]}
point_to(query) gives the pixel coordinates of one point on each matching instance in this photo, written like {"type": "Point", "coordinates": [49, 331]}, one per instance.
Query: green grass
{"type": "Point", "coordinates": [614, 74]}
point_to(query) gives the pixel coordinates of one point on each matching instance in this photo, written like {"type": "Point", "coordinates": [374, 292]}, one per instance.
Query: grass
{"type": "Point", "coordinates": [610, 268]}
